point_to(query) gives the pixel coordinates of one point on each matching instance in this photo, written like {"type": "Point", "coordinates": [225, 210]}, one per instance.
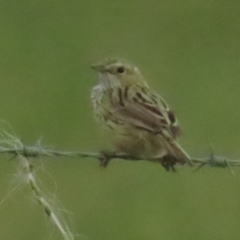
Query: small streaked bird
{"type": "Point", "coordinates": [142, 123]}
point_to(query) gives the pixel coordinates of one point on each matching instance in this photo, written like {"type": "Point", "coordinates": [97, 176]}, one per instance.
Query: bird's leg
{"type": "Point", "coordinates": [105, 158]}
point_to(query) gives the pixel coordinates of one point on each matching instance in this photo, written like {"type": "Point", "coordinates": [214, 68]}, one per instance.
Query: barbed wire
{"type": "Point", "coordinates": [105, 156]}
{"type": "Point", "coordinates": [13, 146]}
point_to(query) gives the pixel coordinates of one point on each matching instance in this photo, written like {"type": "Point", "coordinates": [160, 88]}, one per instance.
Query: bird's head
{"type": "Point", "coordinates": [114, 72]}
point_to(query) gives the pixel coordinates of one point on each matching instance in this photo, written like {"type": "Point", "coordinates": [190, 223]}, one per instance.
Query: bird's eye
{"type": "Point", "coordinates": [120, 69]}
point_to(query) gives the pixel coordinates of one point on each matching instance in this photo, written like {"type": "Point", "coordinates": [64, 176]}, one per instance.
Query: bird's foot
{"type": "Point", "coordinates": [169, 162]}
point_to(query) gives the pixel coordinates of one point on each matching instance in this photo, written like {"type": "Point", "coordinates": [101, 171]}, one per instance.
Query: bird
{"type": "Point", "coordinates": [142, 123]}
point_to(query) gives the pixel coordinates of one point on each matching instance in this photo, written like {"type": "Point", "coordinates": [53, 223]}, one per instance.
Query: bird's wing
{"type": "Point", "coordinates": [144, 109]}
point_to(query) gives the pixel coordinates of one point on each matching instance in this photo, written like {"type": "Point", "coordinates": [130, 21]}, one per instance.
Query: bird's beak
{"type": "Point", "coordinates": [98, 68]}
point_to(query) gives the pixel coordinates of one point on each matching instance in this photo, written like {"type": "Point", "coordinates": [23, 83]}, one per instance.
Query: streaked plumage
{"type": "Point", "coordinates": [142, 123]}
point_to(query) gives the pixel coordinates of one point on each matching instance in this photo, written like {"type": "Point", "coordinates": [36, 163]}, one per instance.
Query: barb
{"type": "Point", "coordinates": [12, 145]}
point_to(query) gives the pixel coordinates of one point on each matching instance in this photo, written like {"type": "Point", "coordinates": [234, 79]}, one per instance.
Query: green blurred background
{"type": "Point", "coordinates": [189, 51]}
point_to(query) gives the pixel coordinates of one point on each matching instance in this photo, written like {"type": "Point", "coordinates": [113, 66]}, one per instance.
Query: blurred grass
{"type": "Point", "coordinates": [189, 51]}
